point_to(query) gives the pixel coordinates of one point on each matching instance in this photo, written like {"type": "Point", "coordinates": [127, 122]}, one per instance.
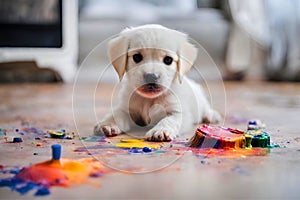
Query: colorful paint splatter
{"type": "Point", "coordinates": [64, 172]}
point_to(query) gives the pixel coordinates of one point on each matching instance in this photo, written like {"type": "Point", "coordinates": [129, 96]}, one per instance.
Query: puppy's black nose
{"type": "Point", "coordinates": [151, 78]}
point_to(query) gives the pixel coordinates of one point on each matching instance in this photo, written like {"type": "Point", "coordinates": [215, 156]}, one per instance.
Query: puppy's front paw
{"type": "Point", "coordinates": [160, 134]}
{"type": "Point", "coordinates": [107, 130]}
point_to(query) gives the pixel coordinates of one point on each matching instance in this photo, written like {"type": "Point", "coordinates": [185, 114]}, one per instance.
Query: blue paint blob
{"type": "Point", "coordinates": [134, 150]}
{"type": "Point", "coordinates": [23, 187]}
{"type": "Point", "coordinates": [17, 140]}
{"type": "Point", "coordinates": [94, 139]}
{"type": "Point", "coordinates": [14, 171]}
{"type": "Point", "coordinates": [6, 183]}
{"type": "Point", "coordinates": [252, 123]}
{"type": "Point", "coordinates": [147, 149]}
{"type": "Point", "coordinates": [56, 151]}
{"type": "Point", "coordinates": [42, 192]}
{"type": "Point", "coordinates": [26, 188]}
{"type": "Point", "coordinates": [17, 130]}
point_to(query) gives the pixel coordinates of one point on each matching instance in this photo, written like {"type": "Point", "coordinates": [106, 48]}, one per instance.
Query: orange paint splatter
{"type": "Point", "coordinates": [61, 172]}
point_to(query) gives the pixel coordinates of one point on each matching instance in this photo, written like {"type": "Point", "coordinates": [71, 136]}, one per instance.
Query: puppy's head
{"type": "Point", "coordinates": [153, 58]}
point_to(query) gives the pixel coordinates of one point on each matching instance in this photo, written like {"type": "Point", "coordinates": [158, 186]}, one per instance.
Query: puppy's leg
{"type": "Point", "coordinates": [113, 125]}
{"type": "Point", "coordinates": [166, 129]}
{"type": "Point", "coordinates": [203, 112]}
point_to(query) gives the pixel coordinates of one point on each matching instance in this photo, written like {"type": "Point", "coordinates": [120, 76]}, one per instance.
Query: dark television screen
{"type": "Point", "coordinates": [31, 23]}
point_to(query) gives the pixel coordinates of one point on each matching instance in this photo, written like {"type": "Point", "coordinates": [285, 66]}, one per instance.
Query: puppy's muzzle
{"type": "Point", "coordinates": [151, 88]}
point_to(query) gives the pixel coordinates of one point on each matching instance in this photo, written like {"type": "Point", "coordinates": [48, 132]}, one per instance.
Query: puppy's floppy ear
{"type": "Point", "coordinates": [187, 54]}
{"type": "Point", "coordinates": [118, 48]}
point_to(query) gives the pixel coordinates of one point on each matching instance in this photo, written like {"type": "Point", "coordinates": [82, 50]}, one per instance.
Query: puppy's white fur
{"type": "Point", "coordinates": [181, 103]}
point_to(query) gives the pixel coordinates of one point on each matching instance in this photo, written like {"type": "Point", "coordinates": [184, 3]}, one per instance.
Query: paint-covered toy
{"type": "Point", "coordinates": [209, 136]}
{"type": "Point", "coordinates": [257, 138]}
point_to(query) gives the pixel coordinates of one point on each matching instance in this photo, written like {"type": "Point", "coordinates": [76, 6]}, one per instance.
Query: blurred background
{"type": "Point", "coordinates": [48, 40]}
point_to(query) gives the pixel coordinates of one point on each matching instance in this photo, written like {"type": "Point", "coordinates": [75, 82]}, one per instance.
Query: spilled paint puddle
{"type": "Point", "coordinates": [55, 172]}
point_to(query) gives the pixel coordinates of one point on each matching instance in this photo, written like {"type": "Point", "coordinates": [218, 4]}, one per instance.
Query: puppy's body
{"type": "Point", "coordinates": [154, 92]}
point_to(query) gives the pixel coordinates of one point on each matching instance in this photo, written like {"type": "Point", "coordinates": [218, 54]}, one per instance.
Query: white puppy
{"type": "Point", "coordinates": [151, 61]}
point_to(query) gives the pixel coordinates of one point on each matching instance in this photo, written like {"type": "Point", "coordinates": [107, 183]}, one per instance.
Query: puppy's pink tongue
{"type": "Point", "coordinates": [149, 95]}
{"type": "Point", "coordinates": [149, 91]}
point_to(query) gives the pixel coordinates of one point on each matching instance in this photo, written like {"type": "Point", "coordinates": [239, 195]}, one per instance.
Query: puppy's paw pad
{"type": "Point", "coordinates": [160, 135]}
{"type": "Point", "coordinates": [106, 130]}
{"type": "Point", "coordinates": [111, 130]}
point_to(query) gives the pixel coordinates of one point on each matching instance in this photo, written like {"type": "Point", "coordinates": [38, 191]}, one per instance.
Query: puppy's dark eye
{"type": "Point", "coordinates": [168, 60]}
{"type": "Point", "coordinates": [137, 57]}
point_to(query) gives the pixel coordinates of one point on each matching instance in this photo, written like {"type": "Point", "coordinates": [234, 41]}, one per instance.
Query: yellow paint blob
{"type": "Point", "coordinates": [131, 140]}
{"type": "Point", "coordinates": [138, 143]}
